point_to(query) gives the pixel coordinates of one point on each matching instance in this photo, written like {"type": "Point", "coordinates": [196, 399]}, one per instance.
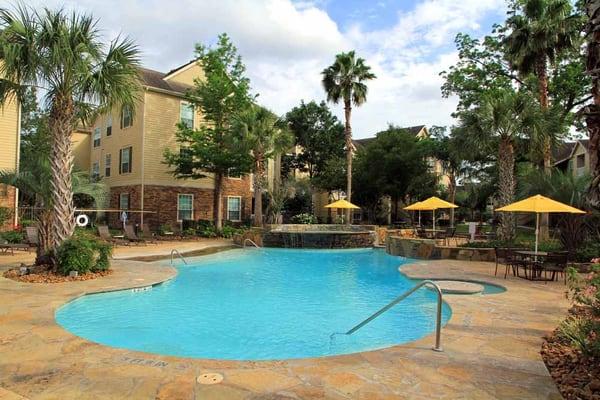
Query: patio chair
{"type": "Point", "coordinates": [33, 236]}
{"type": "Point", "coordinates": [448, 235]}
{"type": "Point", "coordinates": [556, 263]}
{"type": "Point", "coordinates": [147, 234]}
{"type": "Point", "coordinates": [107, 237]}
{"type": "Point", "coordinates": [173, 233]}
{"type": "Point", "coordinates": [132, 237]}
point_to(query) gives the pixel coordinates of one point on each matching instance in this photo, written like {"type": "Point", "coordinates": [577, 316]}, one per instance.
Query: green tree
{"type": "Point", "coordinates": [345, 80]}
{"type": "Point", "coordinates": [539, 30]}
{"type": "Point", "coordinates": [214, 147]}
{"type": "Point", "coordinates": [501, 119]}
{"type": "Point", "coordinates": [62, 53]}
{"type": "Point", "coordinates": [265, 135]}
{"type": "Point", "coordinates": [320, 135]}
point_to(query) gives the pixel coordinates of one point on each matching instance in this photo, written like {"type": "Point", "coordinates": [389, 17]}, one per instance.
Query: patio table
{"type": "Point", "coordinates": [529, 262]}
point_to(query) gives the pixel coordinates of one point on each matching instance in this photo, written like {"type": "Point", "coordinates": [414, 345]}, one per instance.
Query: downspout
{"type": "Point", "coordinates": [143, 160]}
{"type": "Point", "coordinates": [17, 164]}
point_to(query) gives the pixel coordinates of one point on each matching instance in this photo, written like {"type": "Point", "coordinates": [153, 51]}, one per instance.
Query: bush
{"type": "Point", "coordinates": [588, 251]}
{"type": "Point", "coordinates": [304, 218]}
{"type": "Point", "coordinates": [83, 254]}
{"type": "Point", "coordinates": [583, 334]}
{"type": "Point", "coordinates": [228, 231]}
{"type": "Point", "coordinates": [5, 215]}
{"type": "Point", "coordinates": [13, 236]}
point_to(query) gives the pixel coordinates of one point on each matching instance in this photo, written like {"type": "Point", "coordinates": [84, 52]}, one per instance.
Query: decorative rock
{"type": "Point", "coordinates": [73, 274]}
{"type": "Point", "coordinates": [23, 271]}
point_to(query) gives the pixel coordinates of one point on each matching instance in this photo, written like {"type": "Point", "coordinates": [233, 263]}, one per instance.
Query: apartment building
{"type": "Point", "coordinates": [9, 159]}
{"type": "Point", "coordinates": [127, 147]}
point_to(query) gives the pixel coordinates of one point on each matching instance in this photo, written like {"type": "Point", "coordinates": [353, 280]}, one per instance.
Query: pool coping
{"type": "Point", "coordinates": [296, 370]}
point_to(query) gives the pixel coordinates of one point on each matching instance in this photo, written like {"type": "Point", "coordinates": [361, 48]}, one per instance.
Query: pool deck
{"type": "Point", "coordinates": [491, 348]}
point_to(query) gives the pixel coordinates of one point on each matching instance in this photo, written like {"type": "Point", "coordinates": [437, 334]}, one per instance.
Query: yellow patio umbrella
{"type": "Point", "coordinates": [415, 207]}
{"type": "Point", "coordinates": [343, 204]}
{"type": "Point", "coordinates": [539, 204]}
{"type": "Point", "coordinates": [431, 204]}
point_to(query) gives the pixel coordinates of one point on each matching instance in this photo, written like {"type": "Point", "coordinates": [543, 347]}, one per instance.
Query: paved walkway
{"type": "Point", "coordinates": [491, 347]}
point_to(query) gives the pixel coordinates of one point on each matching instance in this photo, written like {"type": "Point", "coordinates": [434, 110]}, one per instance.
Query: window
{"type": "Point", "coordinates": [234, 208]}
{"type": "Point", "coordinates": [186, 114]}
{"type": "Point", "coordinates": [233, 174]}
{"type": "Point", "coordinates": [107, 165]}
{"type": "Point", "coordinates": [185, 207]}
{"type": "Point", "coordinates": [125, 156]}
{"type": "Point", "coordinates": [124, 201]}
{"type": "Point", "coordinates": [109, 125]}
{"type": "Point", "coordinates": [126, 117]}
{"type": "Point", "coordinates": [580, 161]}
{"type": "Point", "coordinates": [186, 160]}
{"type": "Point", "coordinates": [96, 170]}
{"type": "Point", "coordinates": [97, 136]}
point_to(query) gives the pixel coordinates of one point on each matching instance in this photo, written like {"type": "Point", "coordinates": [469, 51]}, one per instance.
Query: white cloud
{"type": "Point", "coordinates": [287, 44]}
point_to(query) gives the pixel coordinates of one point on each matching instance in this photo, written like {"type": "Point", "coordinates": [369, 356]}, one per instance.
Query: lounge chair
{"type": "Point", "coordinates": [107, 237]}
{"type": "Point", "coordinates": [147, 234]}
{"type": "Point", "coordinates": [131, 236]}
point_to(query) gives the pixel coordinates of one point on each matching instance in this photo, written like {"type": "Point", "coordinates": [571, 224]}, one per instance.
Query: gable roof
{"type": "Point", "coordinates": [155, 79]}
{"type": "Point", "coordinates": [563, 151]}
{"type": "Point", "coordinates": [414, 130]}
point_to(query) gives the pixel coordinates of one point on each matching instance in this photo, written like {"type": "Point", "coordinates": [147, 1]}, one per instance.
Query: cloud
{"type": "Point", "coordinates": [286, 45]}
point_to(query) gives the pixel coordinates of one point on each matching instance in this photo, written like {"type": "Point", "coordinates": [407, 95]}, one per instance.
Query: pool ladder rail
{"type": "Point", "coordinates": [251, 241]}
{"type": "Point", "coordinates": [438, 321]}
{"type": "Point", "coordinates": [175, 251]}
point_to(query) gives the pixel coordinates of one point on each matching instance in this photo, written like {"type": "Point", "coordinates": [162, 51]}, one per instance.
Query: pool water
{"type": "Point", "coordinates": [261, 304]}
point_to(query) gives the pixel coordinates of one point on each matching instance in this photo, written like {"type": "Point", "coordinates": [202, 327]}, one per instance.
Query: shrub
{"type": "Point", "coordinates": [304, 218]}
{"type": "Point", "coordinates": [83, 254]}
{"type": "Point", "coordinates": [206, 229]}
{"type": "Point", "coordinates": [229, 231]}
{"type": "Point", "coordinates": [588, 251]}
{"type": "Point", "coordinates": [585, 290]}
{"type": "Point", "coordinates": [583, 334]}
{"type": "Point", "coordinates": [190, 231]}
{"type": "Point", "coordinates": [5, 215]}
{"type": "Point", "coordinates": [15, 236]}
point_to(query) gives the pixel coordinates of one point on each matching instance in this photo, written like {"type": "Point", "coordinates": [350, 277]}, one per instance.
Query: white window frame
{"type": "Point", "coordinates": [238, 178]}
{"type": "Point", "coordinates": [179, 195]}
{"type": "Point", "coordinates": [109, 126]}
{"type": "Point", "coordinates": [130, 115]}
{"type": "Point", "coordinates": [183, 105]}
{"type": "Point", "coordinates": [107, 165]}
{"type": "Point", "coordinates": [96, 169]}
{"type": "Point", "coordinates": [121, 196]}
{"type": "Point", "coordinates": [97, 138]}
{"type": "Point", "coordinates": [121, 172]}
{"type": "Point", "coordinates": [239, 209]}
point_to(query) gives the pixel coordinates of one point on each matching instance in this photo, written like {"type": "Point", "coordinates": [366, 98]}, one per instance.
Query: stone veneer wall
{"type": "Point", "coordinates": [319, 240]}
{"type": "Point", "coordinates": [428, 249]}
{"type": "Point", "coordinates": [7, 200]}
{"type": "Point", "coordinates": [162, 201]}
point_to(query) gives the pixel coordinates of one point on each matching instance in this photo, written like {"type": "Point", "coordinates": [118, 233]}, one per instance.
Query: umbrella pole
{"type": "Point", "coordinates": [419, 218]}
{"type": "Point", "coordinates": [434, 222]}
{"type": "Point", "coordinates": [537, 230]}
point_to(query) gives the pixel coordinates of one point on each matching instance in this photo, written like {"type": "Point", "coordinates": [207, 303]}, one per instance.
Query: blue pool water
{"type": "Point", "coordinates": [261, 305]}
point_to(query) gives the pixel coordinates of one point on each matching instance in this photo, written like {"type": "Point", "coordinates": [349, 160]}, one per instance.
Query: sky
{"type": "Point", "coordinates": [285, 45]}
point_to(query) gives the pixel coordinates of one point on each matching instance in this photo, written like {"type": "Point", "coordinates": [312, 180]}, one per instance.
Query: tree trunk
{"type": "Point", "coordinates": [218, 202]}
{"type": "Point", "coordinates": [348, 134]}
{"type": "Point", "coordinates": [60, 123]}
{"type": "Point", "coordinates": [592, 112]}
{"type": "Point", "coordinates": [452, 193]}
{"type": "Point", "coordinates": [506, 186]}
{"type": "Point", "coordinates": [542, 75]}
{"type": "Point", "coordinates": [46, 242]}
{"type": "Point", "coordinates": [258, 189]}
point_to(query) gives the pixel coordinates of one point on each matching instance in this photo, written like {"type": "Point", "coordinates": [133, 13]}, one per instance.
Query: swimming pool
{"type": "Point", "coordinates": [261, 304]}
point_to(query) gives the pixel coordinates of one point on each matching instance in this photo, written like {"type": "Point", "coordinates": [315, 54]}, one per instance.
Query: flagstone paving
{"type": "Point", "coordinates": [491, 350]}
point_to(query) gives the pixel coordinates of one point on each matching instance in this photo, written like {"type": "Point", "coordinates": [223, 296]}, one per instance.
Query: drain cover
{"type": "Point", "coordinates": [210, 378]}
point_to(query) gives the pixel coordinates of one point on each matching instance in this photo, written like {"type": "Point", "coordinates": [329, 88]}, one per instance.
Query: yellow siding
{"type": "Point", "coordinates": [580, 151]}
{"type": "Point", "coordinates": [9, 136]}
{"type": "Point", "coordinates": [162, 116]}
{"type": "Point", "coordinates": [187, 75]}
{"type": "Point", "coordinates": [120, 138]}
{"type": "Point", "coordinates": [81, 150]}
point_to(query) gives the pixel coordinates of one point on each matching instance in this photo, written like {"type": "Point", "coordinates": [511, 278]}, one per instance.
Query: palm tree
{"type": "Point", "coordinates": [538, 34]}
{"type": "Point", "coordinates": [592, 112]}
{"type": "Point", "coordinates": [265, 135]}
{"type": "Point", "coordinates": [62, 54]}
{"type": "Point", "coordinates": [500, 119]}
{"type": "Point", "coordinates": [345, 80]}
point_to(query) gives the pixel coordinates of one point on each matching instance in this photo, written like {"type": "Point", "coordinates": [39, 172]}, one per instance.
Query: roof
{"type": "Point", "coordinates": [564, 151]}
{"type": "Point", "coordinates": [411, 129]}
{"type": "Point", "coordinates": [155, 79]}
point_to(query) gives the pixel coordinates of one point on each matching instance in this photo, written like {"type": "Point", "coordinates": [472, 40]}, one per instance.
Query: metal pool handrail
{"type": "Point", "coordinates": [175, 251]}
{"type": "Point", "coordinates": [438, 322]}
{"type": "Point", "coordinates": [251, 241]}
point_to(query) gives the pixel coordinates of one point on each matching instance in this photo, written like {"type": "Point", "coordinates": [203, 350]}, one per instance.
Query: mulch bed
{"type": "Point", "coordinates": [577, 376]}
{"type": "Point", "coordinates": [43, 274]}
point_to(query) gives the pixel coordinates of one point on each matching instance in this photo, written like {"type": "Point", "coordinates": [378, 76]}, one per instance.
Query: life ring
{"type": "Point", "coordinates": [82, 220]}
